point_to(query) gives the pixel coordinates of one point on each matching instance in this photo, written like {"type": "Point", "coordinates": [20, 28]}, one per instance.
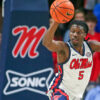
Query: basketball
{"type": "Point", "coordinates": [62, 11]}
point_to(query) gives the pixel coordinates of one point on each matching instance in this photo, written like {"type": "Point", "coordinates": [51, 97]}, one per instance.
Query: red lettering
{"type": "Point", "coordinates": [83, 63]}
{"type": "Point", "coordinates": [81, 75]}
{"type": "Point", "coordinates": [74, 64]}
{"type": "Point", "coordinates": [77, 64]}
{"type": "Point", "coordinates": [28, 41]}
{"type": "Point", "coordinates": [80, 64]}
{"type": "Point", "coordinates": [89, 64]}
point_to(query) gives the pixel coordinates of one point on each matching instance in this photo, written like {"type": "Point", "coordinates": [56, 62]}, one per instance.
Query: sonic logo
{"type": "Point", "coordinates": [28, 41]}
{"type": "Point", "coordinates": [37, 82]}
{"type": "Point", "coordinates": [22, 82]}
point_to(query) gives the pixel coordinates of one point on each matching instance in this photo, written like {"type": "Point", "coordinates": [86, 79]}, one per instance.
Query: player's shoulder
{"type": "Point", "coordinates": [64, 44]}
{"type": "Point", "coordinates": [67, 44]}
{"type": "Point", "coordinates": [91, 44]}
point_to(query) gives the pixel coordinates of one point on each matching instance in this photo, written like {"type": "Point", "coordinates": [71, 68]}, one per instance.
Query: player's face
{"type": "Point", "coordinates": [91, 26]}
{"type": "Point", "coordinates": [79, 16]}
{"type": "Point", "coordinates": [77, 35]}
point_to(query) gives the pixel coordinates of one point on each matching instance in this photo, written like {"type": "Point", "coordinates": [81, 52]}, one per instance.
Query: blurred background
{"type": "Point", "coordinates": [86, 10]}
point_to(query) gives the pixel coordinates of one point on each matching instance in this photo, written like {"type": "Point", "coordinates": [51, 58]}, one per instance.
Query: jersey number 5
{"type": "Point", "coordinates": [81, 75]}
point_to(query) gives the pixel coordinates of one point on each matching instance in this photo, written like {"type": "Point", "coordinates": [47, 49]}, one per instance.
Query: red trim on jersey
{"type": "Point", "coordinates": [57, 79]}
{"type": "Point", "coordinates": [54, 55]}
{"type": "Point", "coordinates": [59, 90]}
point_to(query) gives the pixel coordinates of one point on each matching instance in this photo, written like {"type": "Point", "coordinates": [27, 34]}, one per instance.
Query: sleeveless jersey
{"type": "Point", "coordinates": [74, 74]}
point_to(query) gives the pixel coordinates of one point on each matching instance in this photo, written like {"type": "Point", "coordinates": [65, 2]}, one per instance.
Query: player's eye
{"type": "Point", "coordinates": [73, 31]}
{"type": "Point", "coordinates": [78, 33]}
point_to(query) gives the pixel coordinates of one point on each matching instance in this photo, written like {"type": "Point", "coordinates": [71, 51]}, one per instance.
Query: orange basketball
{"type": "Point", "coordinates": [62, 11]}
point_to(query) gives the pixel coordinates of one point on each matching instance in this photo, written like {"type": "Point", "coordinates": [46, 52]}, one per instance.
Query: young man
{"type": "Point", "coordinates": [91, 21]}
{"type": "Point", "coordinates": [79, 15]}
{"type": "Point", "coordinates": [75, 61]}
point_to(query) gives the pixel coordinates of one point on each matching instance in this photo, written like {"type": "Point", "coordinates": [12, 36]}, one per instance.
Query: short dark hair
{"type": "Point", "coordinates": [91, 17]}
{"type": "Point", "coordinates": [81, 23]}
{"type": "Point", "coordinates": [79, 11]}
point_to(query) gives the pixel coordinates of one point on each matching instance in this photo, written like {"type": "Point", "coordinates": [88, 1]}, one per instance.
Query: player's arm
{"type": "Point", "coordinates": [48, 41]}
{"type": "Point", "coordinates": [95, 45]}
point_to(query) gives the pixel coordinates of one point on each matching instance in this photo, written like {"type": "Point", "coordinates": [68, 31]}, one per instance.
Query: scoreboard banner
{"type": "Point", "coordinates": [26, 65]}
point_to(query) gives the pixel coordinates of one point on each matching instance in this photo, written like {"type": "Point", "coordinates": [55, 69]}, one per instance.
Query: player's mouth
{"type": "Point", "coordinates": [75, 40]}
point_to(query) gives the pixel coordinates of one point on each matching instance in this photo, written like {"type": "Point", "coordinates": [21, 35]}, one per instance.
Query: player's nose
{"type": "Point", "coordinates": [75, 34]}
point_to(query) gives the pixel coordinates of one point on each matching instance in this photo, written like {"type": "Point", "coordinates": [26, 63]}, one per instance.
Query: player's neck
{"type": "Point", "coordinates": [78, 48]}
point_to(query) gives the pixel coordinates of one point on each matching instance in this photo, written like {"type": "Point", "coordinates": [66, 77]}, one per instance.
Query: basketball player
{"type": "Point", "coordinates": [74, 59]}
